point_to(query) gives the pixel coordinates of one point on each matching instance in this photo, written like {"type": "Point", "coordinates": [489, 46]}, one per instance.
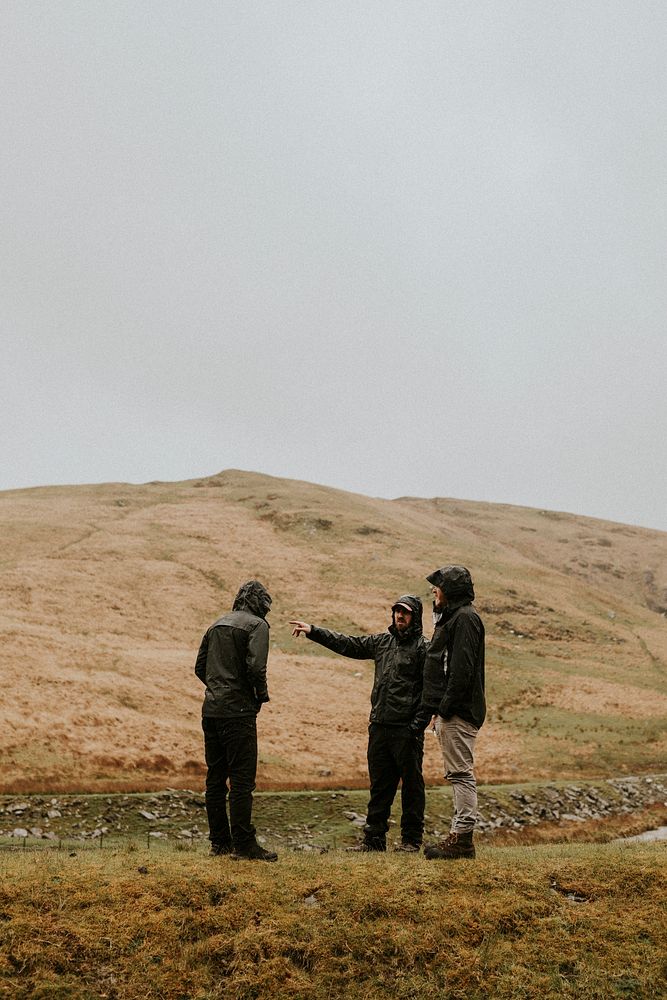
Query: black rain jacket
{"type": "Point", "coordinates": [232, 657]}
{"type": "Point", "coordinates": [454, 668]}
{"type": "Point", "coordinates": [399, 667]}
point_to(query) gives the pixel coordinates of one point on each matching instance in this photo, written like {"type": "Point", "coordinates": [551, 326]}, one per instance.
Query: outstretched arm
{"type": "Point", "coordinates": [359, 647]}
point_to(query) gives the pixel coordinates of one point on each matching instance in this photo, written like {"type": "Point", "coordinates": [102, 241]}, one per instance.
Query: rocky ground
{"type": "Point", "coordinates": [313, 821]}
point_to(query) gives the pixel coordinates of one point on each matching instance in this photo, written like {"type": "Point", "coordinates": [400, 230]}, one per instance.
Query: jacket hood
{"type": "Point", "coordinates": [254, 597]}
{"type": "Point", "coordinates": [455, 582]}
{"type": "Point", "coordinates": [415, 604]}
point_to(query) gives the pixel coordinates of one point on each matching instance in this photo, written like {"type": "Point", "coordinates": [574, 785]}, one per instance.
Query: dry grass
{"type": "Point", "coordinates": [589, 831]}
{"type": "Point", "coordinates": [572, 921]}
{"type": "Point", "coordinates": [106, 590]}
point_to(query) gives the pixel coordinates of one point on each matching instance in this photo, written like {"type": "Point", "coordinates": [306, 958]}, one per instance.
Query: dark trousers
{"type": "Point", "coordinates": [230, 747]}
{"type": "Point", "coordinates": [395, 754]}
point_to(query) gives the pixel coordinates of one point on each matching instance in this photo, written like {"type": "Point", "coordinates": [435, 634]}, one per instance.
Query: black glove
{"type": "Point", "coordinates": [417, 726]}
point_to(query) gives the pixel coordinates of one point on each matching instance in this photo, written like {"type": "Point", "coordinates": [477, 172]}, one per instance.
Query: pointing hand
{"type": "Point", "coordinates": [301, 627]}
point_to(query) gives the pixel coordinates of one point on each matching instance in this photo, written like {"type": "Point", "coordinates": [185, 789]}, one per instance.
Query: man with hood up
{"type": "Point", "coordinates": [454, 691]}
{"type": "Point", "coordinates": [397, 720]}
{"type": "Point", "coordinates": [232, 664]}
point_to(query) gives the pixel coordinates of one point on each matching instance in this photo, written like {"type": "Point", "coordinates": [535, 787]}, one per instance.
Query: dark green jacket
{"type": "Point", "coordinates": [399, 670]}
{"type": "Point", "coordinates": [233, 655]}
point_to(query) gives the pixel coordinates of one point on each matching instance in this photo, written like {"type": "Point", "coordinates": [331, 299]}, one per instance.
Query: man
{"type": "Point", "coordinates": [454, 691]}
{"type": "Point", "coordinates": [232, 664]}
{"type": "Point", "coordinates": [397, 721]}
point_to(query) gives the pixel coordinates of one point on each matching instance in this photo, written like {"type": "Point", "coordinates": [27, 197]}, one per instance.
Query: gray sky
{"type": "Point", "coordinates": [395, 247]}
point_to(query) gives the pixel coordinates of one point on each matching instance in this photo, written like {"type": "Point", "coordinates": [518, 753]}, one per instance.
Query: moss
{"type": "Point", "coordinates": [178, 925]}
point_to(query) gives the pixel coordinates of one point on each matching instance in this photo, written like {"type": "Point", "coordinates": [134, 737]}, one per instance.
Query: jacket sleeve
{"type": "Point", "coordinates": [434, 673]}
{"type": "Point", "coordinates": [200, 664]}
{"type": "Point", "coordinates": [359, 647]}
{"type": "Point", "coordinates": [257, 655]}
{"type": "Point", "coordinates": [462, 663]}
{"type": "Point", "coordinates": [424, 712]}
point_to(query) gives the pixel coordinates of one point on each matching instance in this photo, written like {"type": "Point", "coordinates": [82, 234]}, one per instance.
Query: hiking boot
{"type": "Point", "coordinates": [254, 852]}
{"type": "Point", "coordinates": [218, 849]}
{"type": "Point", "coordinates": [408, 847]}
{"type": "Point", "coordinates": [368, 847]}
{"type": "Point", "coordinates": [457, 845]}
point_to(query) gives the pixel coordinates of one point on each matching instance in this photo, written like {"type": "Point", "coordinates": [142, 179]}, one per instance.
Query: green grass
{"type": "Point", "coordinates": [574, 921]}
{"type": "Point", "coordinates": [569, 740]}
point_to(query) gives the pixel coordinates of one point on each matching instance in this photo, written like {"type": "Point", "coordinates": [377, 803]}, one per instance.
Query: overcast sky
{"type": "Point", "coordinates": [395, 247]}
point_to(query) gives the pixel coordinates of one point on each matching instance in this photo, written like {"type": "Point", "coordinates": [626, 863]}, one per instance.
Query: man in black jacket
{"type": "Point", "coordinates": [454, 691]}
{"type": "Point", "coordinates": [232, 664]}
{"type": "Point", "coordinates": [397, 721]}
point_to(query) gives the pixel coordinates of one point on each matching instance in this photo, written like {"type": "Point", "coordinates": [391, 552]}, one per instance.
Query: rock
{"type": "Point", "coordinates": [147, 815]}
{"type": "Point", "coordinates": [355, 818]}
{"type": "Point", "coordinates": [311, 901]}
{"type": "Point", "coordinates": [19, 831]}
{"type": "Point", "coordinates": [54, 813]}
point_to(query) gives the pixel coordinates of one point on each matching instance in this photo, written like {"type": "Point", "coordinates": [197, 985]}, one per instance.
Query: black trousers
{"type": "Point", "coordinates": [395, 754]}
{"type": "Point", "coordinates": [230, 747]}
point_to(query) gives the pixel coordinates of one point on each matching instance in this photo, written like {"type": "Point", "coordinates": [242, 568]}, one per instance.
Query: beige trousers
{"type": "Point", "coordinates": [457, 742]}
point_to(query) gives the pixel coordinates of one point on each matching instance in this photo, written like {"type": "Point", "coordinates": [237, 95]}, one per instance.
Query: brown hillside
{"type": "Point", "coordinates": [106, 590]}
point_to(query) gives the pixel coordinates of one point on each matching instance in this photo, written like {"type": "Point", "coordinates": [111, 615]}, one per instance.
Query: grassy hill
{"type": "Point", "coordinates": [106, 590]}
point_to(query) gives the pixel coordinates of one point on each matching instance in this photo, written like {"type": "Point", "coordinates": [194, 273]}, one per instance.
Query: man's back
{"type": "Point", "coordinates": [232, 659]}
{"type": "Point", "coordinates": [232, 664]}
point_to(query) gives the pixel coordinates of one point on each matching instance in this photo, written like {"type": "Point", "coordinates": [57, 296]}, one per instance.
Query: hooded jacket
{"type": "Point", "coordinates": [399, 666]}
{"type": "Point", "coordinates": [232, 657]}
{"type": "Point", "coordinates": [454, 668]}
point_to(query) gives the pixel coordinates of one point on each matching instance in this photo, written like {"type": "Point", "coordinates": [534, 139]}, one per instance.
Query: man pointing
{"type": "Point", "coordinates": [397, 721]}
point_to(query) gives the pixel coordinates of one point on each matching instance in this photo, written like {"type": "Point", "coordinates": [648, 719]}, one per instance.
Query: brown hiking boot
{"type": "Point", "coordinates": [368, 847]}
{"type": "Point", "coordinates": [408, 847]}
{"type": "Point", "coordinates": [457, 845]}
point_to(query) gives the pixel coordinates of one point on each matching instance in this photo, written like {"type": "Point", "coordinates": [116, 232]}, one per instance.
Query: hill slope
{"type": "Point", "coordinates": [106, 590]}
